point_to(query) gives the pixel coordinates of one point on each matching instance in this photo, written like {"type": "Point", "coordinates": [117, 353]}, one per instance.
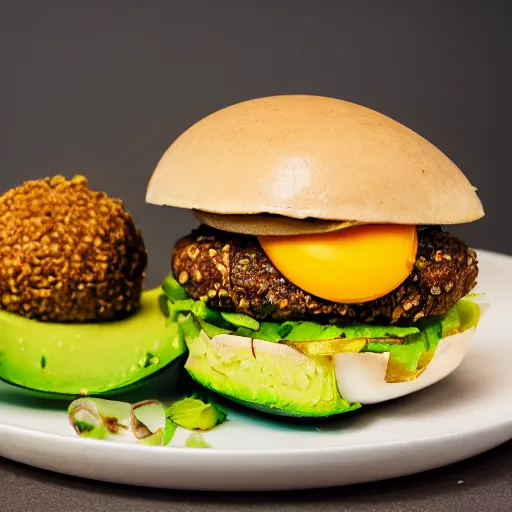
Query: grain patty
{"type": "Point", "coordinates": [232, 272]}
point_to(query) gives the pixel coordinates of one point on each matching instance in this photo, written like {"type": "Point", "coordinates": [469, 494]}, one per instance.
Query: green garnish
{"type": "Point", "coordinates": [241, 320]}
{"type": "Point", "coordinates": [196, 440]}
{"type": "Point", "coordinates": [194, 414]}
{"type": "Point", "coordinates": [147, 422]}
{"type": "Point", "coordinates": [173, 290]}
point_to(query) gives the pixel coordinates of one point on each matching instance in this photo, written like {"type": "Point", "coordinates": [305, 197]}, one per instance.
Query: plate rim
{"type": "Point", "coordinates": [264, 452]}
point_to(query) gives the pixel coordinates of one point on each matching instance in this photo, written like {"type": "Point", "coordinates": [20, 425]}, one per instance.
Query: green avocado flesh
{"type": "Point", "coordinates": [295, 374]}
{"type": "Point", "coordinates": [194, 414]}
{"type": "Point", "coordinates": [92, 358]}
{"type": "Point", "coordinates": [272, 375]}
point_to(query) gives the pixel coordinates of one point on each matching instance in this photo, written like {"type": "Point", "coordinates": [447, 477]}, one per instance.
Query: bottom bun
{"type": "Point", "coordinates": [279, 379]}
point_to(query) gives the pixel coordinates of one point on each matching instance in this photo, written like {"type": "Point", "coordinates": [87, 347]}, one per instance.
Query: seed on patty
{"type": "Point", "coordinates": [193, 252]}
{"type": "Point", "coordinates": [68, 253]}
{"type": "Point", "coordinates": [283, 303]}
{"type": "Point", "coordinates": [444, 271]}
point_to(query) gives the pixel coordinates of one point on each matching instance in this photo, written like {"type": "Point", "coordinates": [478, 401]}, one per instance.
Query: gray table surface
{"type": "Point", "coordinates": [483, 483]}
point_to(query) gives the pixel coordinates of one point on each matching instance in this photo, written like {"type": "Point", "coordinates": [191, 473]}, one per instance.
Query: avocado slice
{"type": "Point", "coordinates": [265, 376]}
{"type": "Point", "coordinates": [89, 358]}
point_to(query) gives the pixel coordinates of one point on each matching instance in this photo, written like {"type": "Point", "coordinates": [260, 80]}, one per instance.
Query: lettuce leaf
{"type": "Point", "coordinates": [410, 348]}
{"type": "Point", "coordinates": [244, 325]}
{"type": "Point", "coordinates": [408, 360]}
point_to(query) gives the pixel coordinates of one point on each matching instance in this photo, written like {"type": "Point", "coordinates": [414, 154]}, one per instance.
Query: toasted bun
{"type": "Point", "coordinates": [360, 377]}
{"type": "Point", "coordinates": [304, 157]}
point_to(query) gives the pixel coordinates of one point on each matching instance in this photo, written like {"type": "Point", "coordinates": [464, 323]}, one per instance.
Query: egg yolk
{"type": "Point", "coordinates": [349, 266]}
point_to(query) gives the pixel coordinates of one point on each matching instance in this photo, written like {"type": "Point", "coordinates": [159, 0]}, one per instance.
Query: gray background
{"type": "Point", "coordinates": [103, 87]}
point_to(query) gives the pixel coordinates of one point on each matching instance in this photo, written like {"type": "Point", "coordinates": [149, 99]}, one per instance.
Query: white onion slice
{"type": "Point", "coordinates": [361, 376]}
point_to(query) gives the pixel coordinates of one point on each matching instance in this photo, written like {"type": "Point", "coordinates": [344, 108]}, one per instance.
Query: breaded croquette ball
{"type": "Point", "coordinates": [68, 253]}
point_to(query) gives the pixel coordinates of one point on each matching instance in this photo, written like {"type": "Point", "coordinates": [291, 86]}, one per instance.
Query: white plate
{"type": "Point", "coordinates": [466, 414]}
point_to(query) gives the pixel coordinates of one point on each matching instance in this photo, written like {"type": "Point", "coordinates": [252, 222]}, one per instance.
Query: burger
{"type": "Point", "coordinates": [321, 276]}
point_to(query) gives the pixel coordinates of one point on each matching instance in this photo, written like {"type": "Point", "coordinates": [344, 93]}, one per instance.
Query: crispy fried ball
{"type": "Point", "coordinates": [68, 253]}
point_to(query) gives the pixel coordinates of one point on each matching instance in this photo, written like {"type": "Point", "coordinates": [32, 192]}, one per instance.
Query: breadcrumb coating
{"type": "Point", "coordinates": [68, 253]}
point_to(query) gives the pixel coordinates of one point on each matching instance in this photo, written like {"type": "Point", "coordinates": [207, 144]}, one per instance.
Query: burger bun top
{"type": "Point", "coordinates": [310, 157]}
